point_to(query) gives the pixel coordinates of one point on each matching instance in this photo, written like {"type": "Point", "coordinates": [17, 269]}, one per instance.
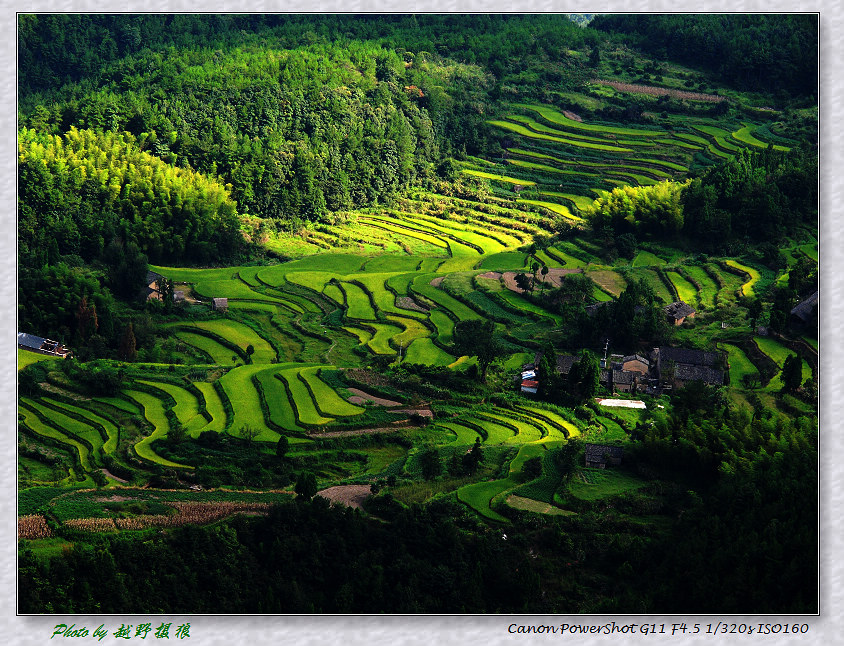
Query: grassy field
{"type": "Point", "coordinates": [594, 484]}
{"type": "Point", "coordinates": [27, 358]}
{"type": "Point", "coordinates": [647, 259]}
{"type": "Point", "coordinates": [740, 365]}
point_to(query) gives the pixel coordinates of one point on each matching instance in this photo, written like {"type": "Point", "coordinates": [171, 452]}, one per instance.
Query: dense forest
{"type": "Point", "coordinates": [407, 257]}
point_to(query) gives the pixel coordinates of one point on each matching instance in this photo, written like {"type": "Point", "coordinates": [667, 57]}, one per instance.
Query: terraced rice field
{"type": "Point", "coordinates": [708, 287]}
{"type": "Point", "coordinates": [112, 432]}
{"type": "Point", "coordinates": [685, 290]}
{"type": "Point", "coordinates": [647, 259]}
{"type": "Point", "coordinates": [153, 409]}
{"type": "Point", "coordinates": [779, 353]}
{"type": "Point", "coordinates": [37, 426]}
{"type": "Point", "coordinates": [747, 285]}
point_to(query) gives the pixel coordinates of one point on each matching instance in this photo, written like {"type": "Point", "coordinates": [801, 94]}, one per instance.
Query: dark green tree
{"type": "Point", "coordinates": [476, 338]}
{"type": "Point", "coordinates": [306, 485]}
{"type": "Point", "coordinates": [792, 373]}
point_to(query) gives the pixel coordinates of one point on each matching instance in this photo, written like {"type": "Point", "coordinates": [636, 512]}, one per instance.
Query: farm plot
{"type": "Point", "coordinates": [532, 134]}
{"type": "Point", "coordinates": [754, 276]}
{"type": "Point", "coordinates": [213, 406]}
{"type": "Point", "coordinates": [652, 278]}
{"type": "Point", "coordinates": [479, 496]}
{"type": "Point", "coordinates": [550, 114]}
{"type": "Point", "coordinates": [497, 177]}
{"type": "Point", "coordinates": [306, 408]}
{"type": "Point", "coordinates": [279, 407]}
{"type": "Point", "coordinates": [608, 280]}
{"type": "Point", "coordinates": [421, 285]}
{"type": "Point", "coordinates": [385, 300]}
{"type": "Point", "coordinates": [594, 484]}
{"type": "Point", "coordinates": [112, 432]}
{"type": "Point", "coordinates": [154, 413]}
{"type": "Point", "coordinates": [217, 353]}
{"type": "Point", "coordinates": [685, 290]}
{"type": "Point", "coordinates": [559, 209]}
{"type": "Point", "coordinates": [245, 402]}
{"type": "Point", "coordinates": [413, 330]}
{"type": "Point", "coordinates": [65, 422]}
{"type": "Point", "coordinates": [708, 287]}
{"type": "Point", "coordinates": [779, 353]}
{"type": "Point", "coordinates": [444, 325]}
{"type": "Point", "coordinates": [423, 351]}
{"type": "Point", "coordinates": [380, 341]}
{"type": "Point", "coordinates": [241, 335]}
{"type": "Point", "coordinates": [27, 358]}
{"type": "Point", "coordinates": [37, 426]}
{"type": "Point", "coordinates": [187, 406]}
{"type": "Point", "coordinates": [357, 300]}
{"type": "Point", "coordinates": [740, 365]}
{"type": "Point", "coordinates": [326, 398]}
{"type": "Point", "coordinates": [552, 419]}
{"type": "Point", "coordinates": [463, 435]}
{"type": "Point", "coordinates": [647, 259]}
{"type": "Point", "coordinates": [745, 136]}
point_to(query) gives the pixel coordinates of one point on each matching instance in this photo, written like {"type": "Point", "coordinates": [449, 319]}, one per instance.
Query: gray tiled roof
{"type": "Point", "coordinates": [679, 309]}
{"type": "Point", "coordinates": [687, 355]}
{"type": "Point", "coordinates": [30, 340]}
{"type": "Point", "coordinates": [705, 374]}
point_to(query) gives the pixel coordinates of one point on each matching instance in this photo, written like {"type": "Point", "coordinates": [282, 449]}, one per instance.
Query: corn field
{"type": "Point", "coordinates": [189, 513]}
{"type": "Point", "coordinates": [33, 526]}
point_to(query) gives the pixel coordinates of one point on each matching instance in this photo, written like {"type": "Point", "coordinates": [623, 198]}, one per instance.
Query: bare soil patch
{"type": "Point", "coordinates": [660, 91]}
{"type": "Point", "coordinates": [494, 275]}
{"type": "Point", "coordinates": [571, 115]}
{"type": "Point", "coordinates": [437, 281]}
{"type": "Point", "coordinates": [360, 397]}
{"type": "Point", "coordinates": [349, 495]}
{"type": "Point", "coordinates": [407, 303]}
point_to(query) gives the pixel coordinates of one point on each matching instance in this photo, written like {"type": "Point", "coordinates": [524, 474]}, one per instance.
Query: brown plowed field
{"type": "Point", "coordinates": [359, 397]}
{"type": "Point", "coordinates": [660, 91]}
{"type": "Point", "coordinates": [349, 495]}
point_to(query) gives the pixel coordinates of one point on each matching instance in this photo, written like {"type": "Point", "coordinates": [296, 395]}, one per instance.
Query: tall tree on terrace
{"type": "Point", "coordinates": [475, 338]}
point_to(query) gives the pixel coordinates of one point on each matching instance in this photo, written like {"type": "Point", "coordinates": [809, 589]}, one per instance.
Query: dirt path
{"type": "Point", "coordinates": [359, 431]}
{"type": "Point", "coordinates": [109, 474]}
{"type": "Point", "coordinates": [349, 495]}
{"type": "Point", "coordinates": [422, 412]}
{"type": "Point", "coordinates": [360, 397]}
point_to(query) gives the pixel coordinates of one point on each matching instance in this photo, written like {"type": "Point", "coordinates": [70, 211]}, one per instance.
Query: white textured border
{"type": "Point", "coordinates": [410, 631]}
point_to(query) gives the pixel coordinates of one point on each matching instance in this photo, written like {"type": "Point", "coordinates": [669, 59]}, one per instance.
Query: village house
{"type": "Point", "coordinates": [599, 455]}
{"type": "Point", "coordinates": [623, 381]}
{"type": "Point", "coordinates": [678, 312]}
{"type": "Point", "coordinates": [802, 312]}
{"type": "Point", "coordinates": [220, 304]}
{"type": "Point", "coordinates": [636, 363]}
{"type": "Point", "coordinates": [43, 346]}
{"type": "Point", "coordinates": [676, 367]}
